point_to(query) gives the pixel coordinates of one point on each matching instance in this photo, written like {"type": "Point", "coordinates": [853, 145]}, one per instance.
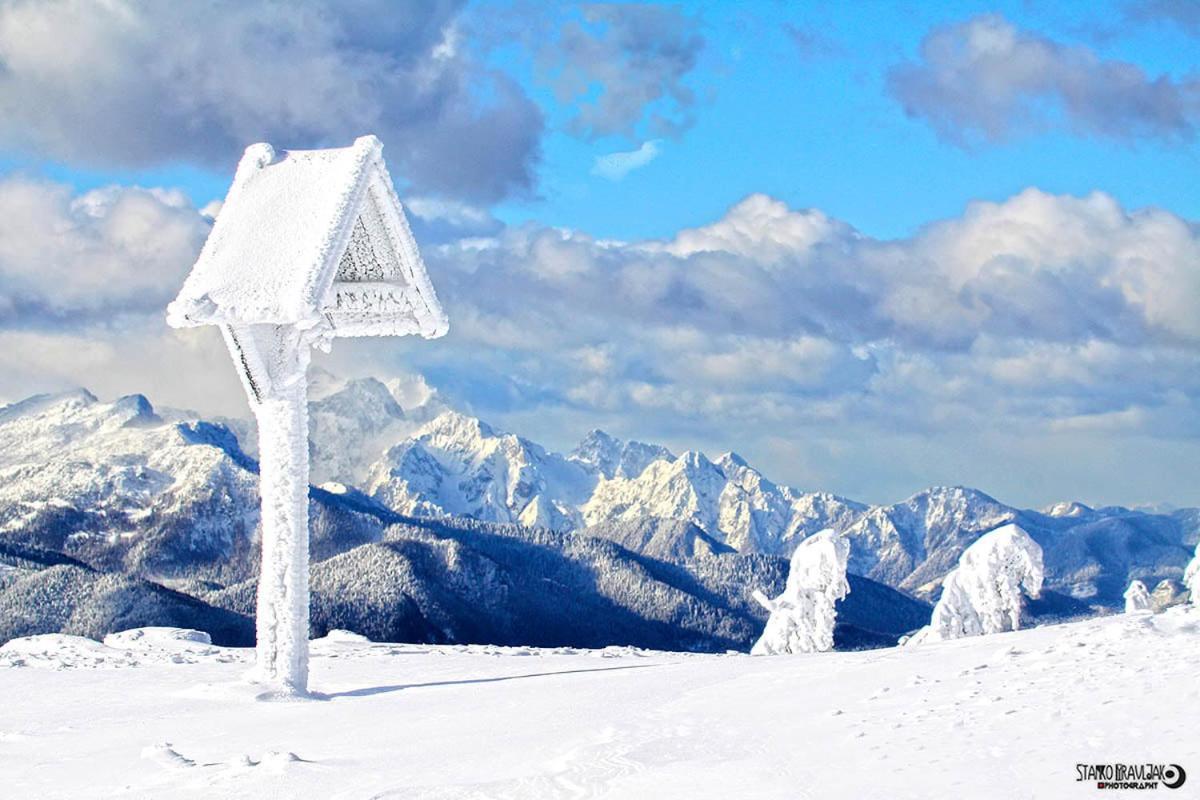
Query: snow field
{"type": "Point", "coordinates": [1004, 716]}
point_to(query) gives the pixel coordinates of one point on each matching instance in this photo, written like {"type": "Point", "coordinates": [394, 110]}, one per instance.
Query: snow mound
{"type": "Point", "coordinates": [339, 642]}
{"type": "Point", "coordinates": [339, 635]}
{"type": "Point", "coordinates": [166, 756]}
{"type": "Point", "coordinates": [278, 760]}
{"type": "Point", "coordinates": [144, 638]}
{"type": "Point", "coordinates": [62, 651]}
{"type": "Point", "coordinates": [131, 648]}
{"type": "Point", "coordinates": [162, 645]}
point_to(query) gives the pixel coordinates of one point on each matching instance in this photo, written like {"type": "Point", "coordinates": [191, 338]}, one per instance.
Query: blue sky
{"type": "Point", "coordinates": [819, 130]}
{"type": "Point", "coordinates": [871, 246]}
{"type": "Point", "coordinates": [811, 124]}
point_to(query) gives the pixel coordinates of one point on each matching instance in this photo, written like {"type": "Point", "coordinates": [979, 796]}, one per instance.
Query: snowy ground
{"type": "Point", "coordinates": [1005, 716]}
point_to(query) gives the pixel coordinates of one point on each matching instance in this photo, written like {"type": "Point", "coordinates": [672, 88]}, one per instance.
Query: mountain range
{"type": "Point", "coordinates": [430, 523]}
{"type": "Point", "coordinates": [457, 465]}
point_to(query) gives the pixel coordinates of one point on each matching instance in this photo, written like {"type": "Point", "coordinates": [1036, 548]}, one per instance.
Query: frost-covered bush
{"type": "Point", "coordinates": [983, 594]}
{"type": "Point", "coordinates": [802, 618]}
{"type": "Point", "coordinates": [1137, 598]}
{"type": "Point", "coordinates": [1191, 577]}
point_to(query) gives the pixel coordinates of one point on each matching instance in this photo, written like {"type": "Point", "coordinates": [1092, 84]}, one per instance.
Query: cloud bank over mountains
{"type": "Point", "coordinates": [1017, 342]}
{"type": "Point", "coordinates": [1043, 323]}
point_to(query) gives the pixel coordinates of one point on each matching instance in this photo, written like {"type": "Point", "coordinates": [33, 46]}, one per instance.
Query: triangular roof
{"type": "Point", "coordinates": [315, 239]}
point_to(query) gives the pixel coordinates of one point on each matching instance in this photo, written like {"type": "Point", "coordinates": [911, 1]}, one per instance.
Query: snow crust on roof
{"type": "Point", "coordinates": [284, 228]}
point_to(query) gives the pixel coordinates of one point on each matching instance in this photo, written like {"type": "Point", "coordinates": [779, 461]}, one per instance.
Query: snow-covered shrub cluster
{"type": "Point", "coordinates": [802, 618]}
{"type": "Point", "coordinates": [1137, 598]}
{"type": "Point", "coordinates": [984, 593]}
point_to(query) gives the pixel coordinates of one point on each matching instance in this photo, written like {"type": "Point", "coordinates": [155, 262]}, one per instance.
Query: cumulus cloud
{"type": "Point", "coordinates": [438, 220]}
{"type": "Point", "coordinates": [986, 80]}
{"type": "Point", "coordinates": [1035, 267]}
{"type": "Point", "coordinates": [187, 370]}
{"type": "Point", "coordinates": [105, 252]}
{"type": "Point", "coordinates": [84, 279]}
{"type": "Point", "coordinates": [615, 166]}
{"type": "Point", "coordinates": [1040, 319]}
{"type": "Point", "coordinates": [1048, 331]}
{"type": "Point", "coordinates": [762, 228]}
{"type": "Point", "coordinates": [622, 63]}
{"type": "Point", "coordinates": [136, 82]}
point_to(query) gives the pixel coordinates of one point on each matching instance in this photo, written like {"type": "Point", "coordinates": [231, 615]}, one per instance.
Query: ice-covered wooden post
{"type": "Point", "coordinates": [309, 245]}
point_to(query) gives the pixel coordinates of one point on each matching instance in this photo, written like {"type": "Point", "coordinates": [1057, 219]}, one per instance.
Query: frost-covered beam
{"type": "Point", "coordinates": [375, 297]}
{"type": "Point", "coordinates": [281, 621]}
{"type": "Point", "coordinates": [378, 309]}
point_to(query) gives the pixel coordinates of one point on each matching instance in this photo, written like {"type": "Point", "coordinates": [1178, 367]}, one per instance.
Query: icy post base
{"type": "Point", "coordinates": [282, 622]}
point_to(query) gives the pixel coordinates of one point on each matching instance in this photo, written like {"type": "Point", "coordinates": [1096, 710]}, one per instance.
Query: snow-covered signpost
{"type": "Point", "coordinates": [309, 245]}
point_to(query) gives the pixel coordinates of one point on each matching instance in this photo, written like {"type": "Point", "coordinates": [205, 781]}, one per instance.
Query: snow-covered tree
{"type": "Point", "coordinates": [802, 618]}
{"type": "Point", "coordinates": [1191, 577]}
{"type": "Point", "coordinates": [983, 594]}
{"type": "Point", "coordinates": [1137, 598]}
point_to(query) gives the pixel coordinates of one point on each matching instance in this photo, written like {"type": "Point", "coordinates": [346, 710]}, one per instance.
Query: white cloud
{"type": "Point", "coordinates": [615, 166]}
{"type": "Point", "coordinates": [138, 82]}
{"type": "Point", "coordinates": [211, 209]}
{"type": "Point", "coordinates": [762, 228]}
{"type": "Point", "coordinates": [188, 370]}
{"type": "Point", "coordinates": [624, 66]}
{"type": "Point", "coordinates": [437, 220]}
{"type": "Point", "coordinates": [1041, 328]}
{"type": "Point", "coordinates": [1020, 318]}
{"type": "Point", "coordinates": [104, 252]}
{"type": "Point", "coordinates": [460, 215]}
{"type": "Point", "coordinates": [985, 79]}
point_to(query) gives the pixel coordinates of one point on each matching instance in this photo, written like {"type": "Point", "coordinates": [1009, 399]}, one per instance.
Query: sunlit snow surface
{"type": "Point", "coordinates": [163, 714]}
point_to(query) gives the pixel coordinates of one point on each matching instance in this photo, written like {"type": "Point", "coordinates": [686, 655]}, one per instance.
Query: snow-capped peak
{"type": "Point", "coordinates": [1067, 509]}
{"type": "Point", "coordinates": [612, 457]}
{"type": "Point", "coordinates": [731, 459]}
{"type": "Point", "coordinates": [353, 422]}
{"type": "Point", "coordinates": [72, 463]}
{"type": "Point", "coordinates": [350, 423]}
{"type": "Point", "coordinates": [458, 464]}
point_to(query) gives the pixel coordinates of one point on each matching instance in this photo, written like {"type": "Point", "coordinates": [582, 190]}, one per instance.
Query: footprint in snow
{"type": "Point", "coordinates": [166, 756]}
{"type": "Point", "coordinates": [278, 760]}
